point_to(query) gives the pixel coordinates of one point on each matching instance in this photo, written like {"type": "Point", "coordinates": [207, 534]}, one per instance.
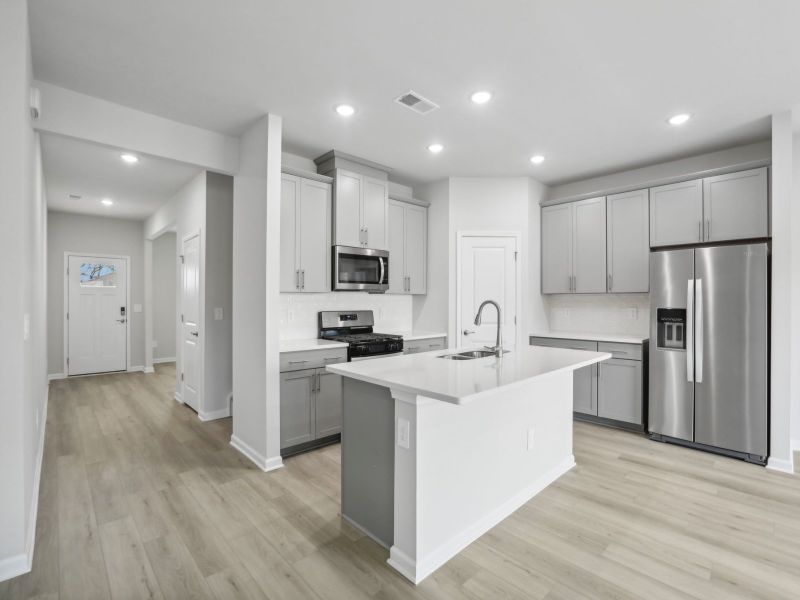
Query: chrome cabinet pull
{"type": "Point", "coordinates": [708, 229]}
{"type": "Point", "coordinates": [610, 282]}
{"type": "Point", "coordinates": [297, 362]}
{"type": "Point", "coordinates": [302, 279]}
{"type": "Point", "coordinates": [297, 279]}
{"type": "Point", "coordinates": [700, 231]}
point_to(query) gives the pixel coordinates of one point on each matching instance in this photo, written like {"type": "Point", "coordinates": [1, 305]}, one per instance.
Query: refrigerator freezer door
{"type": "Point", "coordinates": [731, 398]}
{"type": "Point", "coordinates": [671, 390]}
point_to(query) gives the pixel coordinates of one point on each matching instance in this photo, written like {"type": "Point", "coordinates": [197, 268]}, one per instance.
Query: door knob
{"type": "Point", "coordinates": [120, 320]}
{"type": "Point", "coordinates": [467, 332]}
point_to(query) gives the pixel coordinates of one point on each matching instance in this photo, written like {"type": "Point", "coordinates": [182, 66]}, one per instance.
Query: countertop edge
{"type": "Point", "coordinates": [620, 338]}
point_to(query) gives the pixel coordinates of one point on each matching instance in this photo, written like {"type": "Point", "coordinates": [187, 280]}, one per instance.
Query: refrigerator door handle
{"type": "Point", "coordinates": [698, 323]}
{"type": "Point", "coordinates": [690, 330]}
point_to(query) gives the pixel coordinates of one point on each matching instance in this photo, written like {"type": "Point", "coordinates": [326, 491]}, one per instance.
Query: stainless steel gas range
{"type": "Point", "coordinates": [355, 328]}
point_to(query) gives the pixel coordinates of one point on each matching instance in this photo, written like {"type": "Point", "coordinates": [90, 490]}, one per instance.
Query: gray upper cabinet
{"type": "Point", "coordinates": [628, 242]}
{"type": "Point", "coordinates": [305, 234]}
{"type": "Point", "coordinates": [574, 247]}
{"type": "Point", "coordinates": [589, 246]}
{"type": "Point", "coordinates": [676, 213]}
{"type": "Point", "coordinates": [619, 390]}
{"type": "Point", "coordinates": [408, 241]}
{"type": "Point", "coordinates": [361, 205]}
{"type": "Point", "coordinates": [557, 249]}
{"type": "Point", "coordinates": [735, 206]}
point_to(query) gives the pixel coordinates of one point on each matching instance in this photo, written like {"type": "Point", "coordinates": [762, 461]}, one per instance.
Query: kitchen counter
{"type": "Point", "coordinates": [413, 336]}
{"type": "Point", "coordinates": [310, 344]}
{"type": "Point", "coordinates": [621, 338]}
{"type": "Point", "coordinates": [436, 452]}
{"type": "Point", "coordinates": [458, 381]}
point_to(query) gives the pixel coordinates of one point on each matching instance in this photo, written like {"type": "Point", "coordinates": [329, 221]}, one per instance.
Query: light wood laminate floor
{"type": "Point", "coordinates": [139, 499]}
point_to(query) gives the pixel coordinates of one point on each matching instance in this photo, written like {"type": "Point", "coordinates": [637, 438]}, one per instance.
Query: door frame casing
{"type": "Point", "coordinates": [200, 321]}
{"type": "Point", "coordinates": [128, 309]}
{"type": "Point", "coordinates": [517, 235]}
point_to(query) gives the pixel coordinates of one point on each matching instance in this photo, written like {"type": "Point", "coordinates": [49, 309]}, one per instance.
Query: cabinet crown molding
{"type": "Point", "coordinates": [287, 170]}
{"type": "Point", "coordinates": [334, 159]}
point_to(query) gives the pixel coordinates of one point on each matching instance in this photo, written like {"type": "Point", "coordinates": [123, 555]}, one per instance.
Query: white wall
{"type": "Point", "coordinates": [165, 281]}
{"type": "Point", "coordinates": [298, 162]}
{"type": "Point", "coordinates": [795, 322]}
{"type": "Point", "coordinates": [91, 235]}
{"type": "Point", "coordinates": [299, 311]}
{"type": "Point", "coordinates": [256, 295]}
{"type": "Point", "coordinates": [22, 349]}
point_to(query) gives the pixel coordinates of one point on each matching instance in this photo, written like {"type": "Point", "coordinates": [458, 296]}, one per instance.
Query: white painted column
{"type": "Point", "coordinates": [782, 312]}
{"type": "Point", "coordinates": [148, 306]}
{"type": "Point", "coordinates": [256, 296]}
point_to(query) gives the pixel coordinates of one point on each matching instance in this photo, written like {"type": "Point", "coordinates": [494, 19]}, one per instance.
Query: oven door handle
{"type": "Point", "coordinates": [383, 269]}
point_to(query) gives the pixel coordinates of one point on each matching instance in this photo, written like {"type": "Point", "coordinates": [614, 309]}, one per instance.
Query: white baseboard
{"type": "Point", "coordinates": [796, 445]}
{"type": "Point", "coordinates": [54, 376]}
{"type": "Point", "coordinates": [148, 370]}
{"type": "Point", "coordinates": [178, 397]}
{"type": "Point", "coordinates": [418, 570]}
{"type": "Point", "coordinates": [778, 464]}
{"type": "Point", "coordinates": [365, 531]}
{"type": "Point", "coordinates": [22, 563]}
{"type": "Point", "coordinates": [263, 463]}
{"type": "Point", "coordinates": [158, 361]}
{"type": "Point", "coordinates": [136, 369]}
{"type": "Point", "coordinates": [214, 414]}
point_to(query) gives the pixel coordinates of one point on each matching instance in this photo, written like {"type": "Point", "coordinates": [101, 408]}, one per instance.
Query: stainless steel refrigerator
{"type": "Point", "coordinates": [708, 375]}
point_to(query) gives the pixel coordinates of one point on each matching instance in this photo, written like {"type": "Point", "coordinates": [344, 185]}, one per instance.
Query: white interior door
{"type": "Point", "coordinates": [488, 271]}
{"type": "Point", "coordinates": [97, 313]}
{"type": "Point", "coordinates": [191, 365]}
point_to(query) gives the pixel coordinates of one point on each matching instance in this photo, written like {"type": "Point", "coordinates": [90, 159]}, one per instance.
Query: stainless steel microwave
{"type": "Point", "coordinates": [360, 269]}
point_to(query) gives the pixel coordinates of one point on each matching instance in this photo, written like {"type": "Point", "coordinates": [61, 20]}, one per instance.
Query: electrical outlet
{"type": "Point", "coordinates": [530, 438]}
{"type": "Point", "coordinates": [403, 433]}
{"type": "Point", "coordinates": [291, 316]}
{"type": "Point", "coordinates": [26, 327]}
{"type": "Point", "coordinates": [218, 314]}
{"type": "Point", "coordinates": [633, 313]}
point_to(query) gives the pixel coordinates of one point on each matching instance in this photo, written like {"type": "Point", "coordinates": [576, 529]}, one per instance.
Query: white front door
{"type": "Point", "coordinates": [191, 357]}
{"type": "Point", "coordinates": [97, 314]}
{"type": "Point", "coordinates": [488, 271]}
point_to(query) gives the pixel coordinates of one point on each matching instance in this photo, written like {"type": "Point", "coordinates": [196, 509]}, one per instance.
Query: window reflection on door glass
{"type": "Point", "coordinates": [98, 275]}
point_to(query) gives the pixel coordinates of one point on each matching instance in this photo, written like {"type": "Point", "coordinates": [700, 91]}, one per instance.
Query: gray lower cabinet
{"type": "Point", "coordinates": [311, 398]}
{"type": "Point", "coordinates": [428, 345]}
{"type": "Point", "coordinates": [328, 405]}
{"type": "Point", "coordinates": [619, 390]}
{"type": "Point", "coordinates": [612, 390]}
{"type": "Point", "coordinates": [297, 407]}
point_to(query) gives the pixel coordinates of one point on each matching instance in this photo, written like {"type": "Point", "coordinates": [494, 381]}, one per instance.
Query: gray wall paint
{"type": "Point", "coordinates": [218, 351]}
{"type": "Point", "coordinates": [165, 280]}
{"type": "Point", "coordinates": [92, 236]}
{"type": "Point", "coordinates": [23, 241]}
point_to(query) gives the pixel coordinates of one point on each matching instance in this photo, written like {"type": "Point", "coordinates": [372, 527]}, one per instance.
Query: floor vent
{"type": "Point", "coordinates": [416, 103]}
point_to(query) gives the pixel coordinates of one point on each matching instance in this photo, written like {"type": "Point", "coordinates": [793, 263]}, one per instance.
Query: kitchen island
{"type": "Point", "coordinates": [435, 452]}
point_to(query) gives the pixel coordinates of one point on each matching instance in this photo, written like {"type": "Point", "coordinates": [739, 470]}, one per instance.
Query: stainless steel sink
{"type": "Point", "coordinates": [469, 355]}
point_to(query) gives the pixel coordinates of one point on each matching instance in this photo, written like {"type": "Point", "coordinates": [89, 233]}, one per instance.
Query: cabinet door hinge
{"type": "Point", "coordinates": [181, 318]}
{"type": "Point", "coordinates": [68, 361]}
{"type": "Point", "coordinates": [67, 316]}
{"type": "Point", "coordinates": [515, 255]}
{"type": "Point", "coordinates": [181, 376]}
{"type": "Point", "coordinates": [182, 258]}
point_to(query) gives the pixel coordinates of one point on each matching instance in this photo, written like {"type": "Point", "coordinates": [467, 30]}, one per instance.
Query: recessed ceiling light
{"type": "Point", "coordinates": [345, 110]}
{"type": "Point", "coordinates": [436, 148]}
{"type": "Point", "coordinates": [481, 97]}
{"type": "Point", "coordinates": [537, 159]}
{"type": "Point", "coordinates": [131, 159]}
{"type": "Point", "coordinates": [679, 119]}
{"type": "Point", "coordinates": [106, 202]}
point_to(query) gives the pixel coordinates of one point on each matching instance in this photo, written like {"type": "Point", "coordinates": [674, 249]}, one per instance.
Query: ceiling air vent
{"type": "Point", "coordinates": [416, 103]}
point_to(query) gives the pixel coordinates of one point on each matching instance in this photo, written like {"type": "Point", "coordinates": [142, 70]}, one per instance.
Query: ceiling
{"type": "Point", "coordinates": [95, 172]}
{"type": "Point", "coordinates": [587, 84]}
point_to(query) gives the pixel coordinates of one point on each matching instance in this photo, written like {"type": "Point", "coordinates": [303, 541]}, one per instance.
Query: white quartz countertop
{"type": "Point", "coordinates": [622, 338]}
{"type": "Point", "coordinates": [457, 381]}
{"type": "Point", "coordinates": [411, 336]}
{"type": "Point", "coordinates": [310, 344]}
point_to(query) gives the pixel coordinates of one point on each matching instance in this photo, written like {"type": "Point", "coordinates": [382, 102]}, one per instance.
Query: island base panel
{"type": "Point", "coordinates": [368, 459]}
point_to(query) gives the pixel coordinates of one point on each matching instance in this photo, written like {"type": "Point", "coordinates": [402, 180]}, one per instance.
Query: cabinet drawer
{"type": "Point", "coordinates": [562, 343]}
{"type": "Point", "coordinates": [312, 359]}
{"type": "Point", "coordinates": [618, 350]}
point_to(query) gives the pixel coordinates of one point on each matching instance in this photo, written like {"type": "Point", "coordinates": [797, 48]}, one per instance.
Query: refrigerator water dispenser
{"type": "Point", "coordinates": [671, 328]}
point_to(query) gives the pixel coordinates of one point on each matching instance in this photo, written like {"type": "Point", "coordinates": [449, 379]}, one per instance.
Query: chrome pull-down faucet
{"type": "Point", "coordinates": [498, 349]}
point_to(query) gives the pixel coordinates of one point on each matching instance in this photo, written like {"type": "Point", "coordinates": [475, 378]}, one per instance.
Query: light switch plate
{"type": "Point", "coordinates": [217, 314]}
{"type": "Point", "coordinates": [137, 308]}
{"type": "Point", "coordinates": [403, 433]}
{"type": "Point", "coordinates": [531, 438]}
{"type": "Point", "coordinates": [26, 327]}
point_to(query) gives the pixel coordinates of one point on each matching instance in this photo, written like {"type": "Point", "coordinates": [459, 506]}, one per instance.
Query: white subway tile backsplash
{"type": "Point", "coordinates": [299, 311]}
{"type": "Point", "coordinates": [600, 313]}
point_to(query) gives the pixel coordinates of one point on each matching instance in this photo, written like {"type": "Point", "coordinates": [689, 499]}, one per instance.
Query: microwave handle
{"type": "Point", "coordinates": [383, 269]}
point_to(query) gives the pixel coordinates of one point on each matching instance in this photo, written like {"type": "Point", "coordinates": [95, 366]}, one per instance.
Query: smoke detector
{"type": "Point", "coordinates": [416, 102]}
